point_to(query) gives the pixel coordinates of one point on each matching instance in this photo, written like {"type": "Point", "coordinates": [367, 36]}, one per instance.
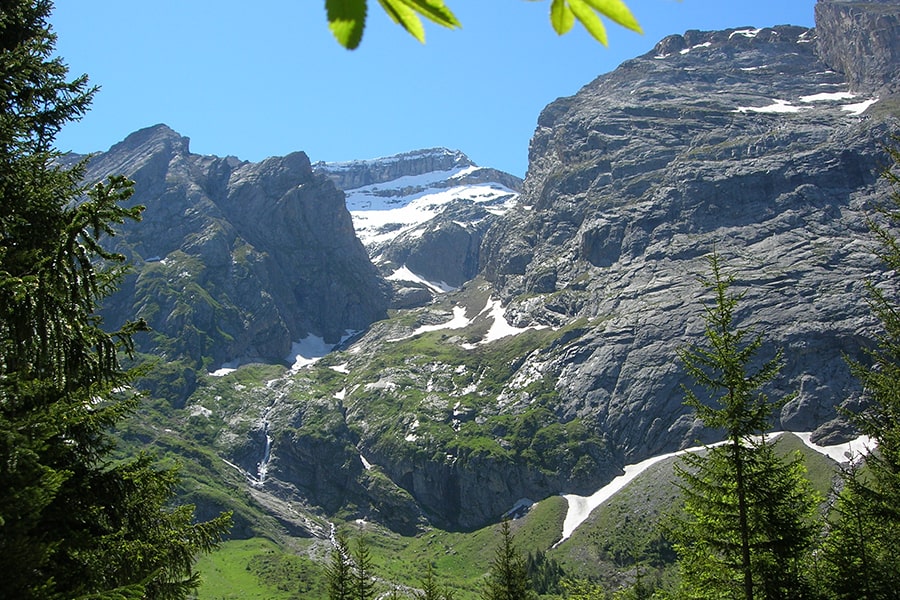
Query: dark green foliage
{"type": "Point", "coordinates": [431, 589]}
{"type": "Point", "coordinates": [544, 574]}
{"type": "Point", "coordinates": [748, 514]}
{"type": "Point", "coordinates": [72, 522]}
{"type": "Point", "coordinates": [508, 577]}
{"type": "Point", "coordinates": [863, 550]}
{"type": "Point", "coordinates": [340, 571]}
{"type": "Point", "coordinates": [363, 580]}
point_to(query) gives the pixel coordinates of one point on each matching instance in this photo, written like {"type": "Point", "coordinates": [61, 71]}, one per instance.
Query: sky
{"type": "Point", "coordinates": [260, 79]}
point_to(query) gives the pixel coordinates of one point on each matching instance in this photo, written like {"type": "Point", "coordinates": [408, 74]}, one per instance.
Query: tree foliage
{"type": "Point", "coordinates": [748, 513]}
{"type": "Point", "coordinates": [508, 576]}
{"type": "Point", "coordinates": [863, 549]}
{"type": "Point", "coordinates": [73, 522]}
{"type": "Point", "coordinates": [339, 571]}
{"type": "Point", "coordinates": [347, 18]}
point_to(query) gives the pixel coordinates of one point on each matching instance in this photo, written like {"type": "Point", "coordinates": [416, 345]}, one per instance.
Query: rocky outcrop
{"type": "Point", "coordinates": [740, 141]}
{"type": "Point", "coordinates": [861, 39]}
{"type": "Point", "coordinates": [236, 260]}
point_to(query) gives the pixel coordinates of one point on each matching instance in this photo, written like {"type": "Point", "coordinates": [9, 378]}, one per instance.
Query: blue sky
{"type": "Point", "coordinates": [258, 79]}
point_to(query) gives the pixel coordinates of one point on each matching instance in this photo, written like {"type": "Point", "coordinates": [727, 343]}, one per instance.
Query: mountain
{"type": "Point", "coordinates": [234, 260]}
{"type": "Point", "coordinates": [744, 141]}
{"type": "Point", "coordinates": [422, 215]}
{"type": "Point", "coordinates": [517, 341]}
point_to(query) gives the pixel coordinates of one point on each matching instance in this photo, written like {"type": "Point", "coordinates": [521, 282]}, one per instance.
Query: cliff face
{"type": "Point", "coordinates": [741, 141]}
{"type": "Point", "coordinates": [236, 260]}
{"type": "Point", "coordinates": [861, 39]}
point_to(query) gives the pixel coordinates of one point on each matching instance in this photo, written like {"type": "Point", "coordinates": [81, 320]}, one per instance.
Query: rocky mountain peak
{"type": "Point", "coordinates": [359, 173]}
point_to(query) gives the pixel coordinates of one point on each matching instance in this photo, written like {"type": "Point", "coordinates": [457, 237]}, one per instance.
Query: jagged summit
{"type": "Point", "coordinates": [358, 173]}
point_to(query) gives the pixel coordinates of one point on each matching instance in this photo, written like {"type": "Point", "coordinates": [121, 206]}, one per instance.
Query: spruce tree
{"type": "Point", "coordinates": [363, 581]}
{"type": "Point", "coordinates": [73, 522]}
{"type": "Point", "coordinates": [508, 577]}
{"type": "Point", "coordinates": [431, 588]}
{"type": "Point", "coordinates": [748, 514]}
{"type": "Point", "coordinates": [339, 571]}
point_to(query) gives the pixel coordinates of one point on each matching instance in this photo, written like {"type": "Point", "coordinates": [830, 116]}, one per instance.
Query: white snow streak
{"type": "Point", "coordinates": [777, 106]}
{"type": "Point", "coordinates": [827, 97]}
{"type": "Point", "coordinates": [580, 507]}
{"type": "Point", "coordinates": [860, 107]}
{"type": "Point", "coordinates": [404, 274]}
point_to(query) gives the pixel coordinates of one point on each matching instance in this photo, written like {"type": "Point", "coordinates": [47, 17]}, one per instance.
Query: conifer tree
{"type": "Point", "coordinates": [863, 548]}
{"type": "Point", "coordinates": [431, 588]}
{"type": "Point", "coordinates": [73, 523]}
{"type": "Point", "coordinates": [339, 571]}
{"type": "Point", "coordinates": [508, 577]}
{"type": "Point", "coordinates": [363, 582]}
{"type": "Point", "coordinates": [748, 522]}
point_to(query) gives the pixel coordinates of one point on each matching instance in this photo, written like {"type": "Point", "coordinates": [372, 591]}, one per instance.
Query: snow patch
{"type": "Point", "coordinates": [366, 464]}
{"type": "Point", "coordinates": [859, 108]}
{"type": "Point", "coordinates": [311, 349]}
{"type": "Point", "coordinates": [500, 327]}
{"type": "Point", "coordinates": [703, 45]}
{"type": "Point", "coordinates": [828, 97]}
{"type": "Point", "coordinates": [458, 321]}
{"type": "Point", "coordinates": [777, 106]}
{"type": "Point", "coordinates": [405, 274]}
{"type": "Point", "coordinates": [841, 453]}
{"type": "Point", "coordinates": [225, 369]}
{"type": "Point", "coordinates": [580, 507]}
{"type": "Point", "coordinates": [519, 509]}
{"type": "Point", "coordinates": [747, 33]}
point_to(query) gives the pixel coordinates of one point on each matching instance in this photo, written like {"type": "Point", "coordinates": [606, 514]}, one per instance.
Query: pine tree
{"type": "Point", "coordinates": [73, 523]}
{"type": "Point", "coordinates": [431, 588]}
{"type": "Point", "coordinates": [363, 582]}
{"type": "Point", "coordinates": [508, 577]}
{"type": "Point", "coordinates": [339, 571]}
{"type": "Point", "coordinates": [863, 548]}
{"type": "Point", "coordinates": [748, 522]}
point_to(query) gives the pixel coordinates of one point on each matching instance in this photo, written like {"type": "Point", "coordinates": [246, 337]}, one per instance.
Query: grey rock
{"type": "Point", "coordinates": [236, 259]}
{"type": "Point", "coordinates": [860, 39]}
{"type": "Point", "coordinates": [713, 140]}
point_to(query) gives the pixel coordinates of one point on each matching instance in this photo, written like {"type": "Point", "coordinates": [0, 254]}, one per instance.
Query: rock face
{"type": "Point", "coordinates": [235, 260]}
{"type": "Point", "coordinates": [861, 39]}
{"type": "Point", "coordinates": [741, 141]}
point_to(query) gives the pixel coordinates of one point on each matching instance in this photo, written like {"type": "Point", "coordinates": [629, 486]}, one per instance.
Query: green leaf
{"type": "Point", "coordinates": [561, 17]}
{"type": "Point", "coordinates": [617, 12]}
{"type": "Point", "coordinates": [346, 19]}
{"type": "Point", "coordinates": [404, 16]}
{"type": "Point", "coordinates": [585, 13]}
{"type": "Point", "coordinates": [436, 11]}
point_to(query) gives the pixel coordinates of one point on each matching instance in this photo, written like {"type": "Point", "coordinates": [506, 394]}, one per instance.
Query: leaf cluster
{"type": "Point", "coordinates": [347, 18]}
